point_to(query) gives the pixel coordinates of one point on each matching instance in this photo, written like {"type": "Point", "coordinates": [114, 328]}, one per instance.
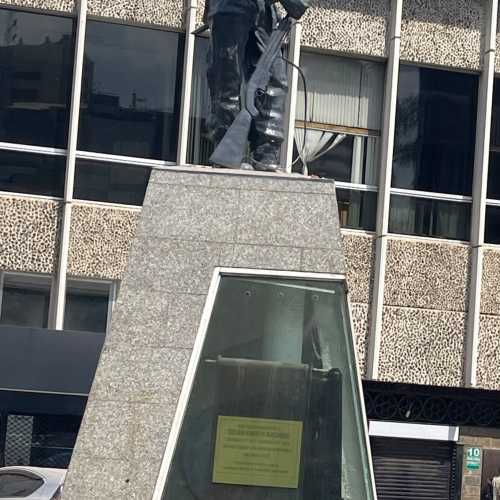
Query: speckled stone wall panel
{"type": "Point", "coordinates": [359, 252]}
{"type": "Point", "coordinates": [55, 5]}
{"type": "Point", "coordinates": [353, 26]}
{"type": "Point", "coordinates": [490, 291]}
{"type": "Point", "coordinates": [191, 222]}
{"type": "Point", "coordinates": [442, 32]}
{"type": "Point", "coordinates": [100, 241]}
{"type": "Point", "coordinates": [199, 13]}
{"type": "Point", "coordinates": [427, 274]}
{"type": "Point", "coordinates": [168, 13]}
{"type": "Point", "coordinates": [422, 346]}
{"type": "Point", "coordinates": [360, 323]}
{"type": "Point", "coordinates": [29, 231]}
{"type": "Point", "coordinates": [488, 373]}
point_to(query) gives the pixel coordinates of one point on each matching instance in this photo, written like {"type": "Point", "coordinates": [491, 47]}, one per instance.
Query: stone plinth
{"type": "Point", "coordinates": [193, 221]}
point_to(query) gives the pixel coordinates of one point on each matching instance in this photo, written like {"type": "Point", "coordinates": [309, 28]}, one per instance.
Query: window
{"type": "Point", "coordinates": [492, 229]}
{"type": "Point", "coordinates": [434, 152]}
{"type": "Point", "coordinates": [32, 173]}
{"type": "Point", "coordinates": [343, 120]}
{"type": "Point", "coordinates": [25, 300]}
{"type": "Point", "coordinates": [429, 217]}
{"type": "Point", "coordinates": [111, 182]}
{"type": "Point", "coordinates": [36, 65]}
{"type": "Point", "coordinates": [357, 209]}
{"type": "Point", "coordinates": [88, 306]}
{"type": "Point", "coordinates": [275, 392]}
{"type": "Point", "coordinates": [199, 147]}
{"type": "Point", "coordinates": [435, 131]}
{"type": "Point", "coordinates": [18, 484]}
{"type": "Point", "coordinates": [130, 91]}
{"type": "Point", "coordinates": [492, 226]}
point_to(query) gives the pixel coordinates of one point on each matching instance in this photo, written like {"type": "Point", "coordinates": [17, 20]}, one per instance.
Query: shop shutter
{"type": "Point", "coordinates": [412, 469]}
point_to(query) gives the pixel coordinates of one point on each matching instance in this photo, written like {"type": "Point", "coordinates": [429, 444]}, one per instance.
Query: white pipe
{"type": "Point", "coordinates": [60, 296]}
{"type": "Point", "coordinates": [479, 192]}
{"type": "Point", "coordinates": [191, 9]}
{"type": "Point", "coordinates": [384, 195]}
{"type": "Point", "coordinates": [291, 104]}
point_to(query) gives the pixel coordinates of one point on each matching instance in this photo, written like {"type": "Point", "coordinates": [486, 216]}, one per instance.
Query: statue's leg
{"type": "Point", "coordinates": [266, 136]}
{"type": "Point", "coordinates": [228, 40]}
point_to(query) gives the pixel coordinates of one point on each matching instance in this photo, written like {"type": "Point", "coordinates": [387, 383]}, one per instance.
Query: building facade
{"type": "Point", "coordinates": [403, 110]}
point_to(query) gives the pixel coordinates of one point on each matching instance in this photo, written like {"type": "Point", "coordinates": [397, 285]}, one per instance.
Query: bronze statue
{"type": "Point", "coordinates": [241, 31]}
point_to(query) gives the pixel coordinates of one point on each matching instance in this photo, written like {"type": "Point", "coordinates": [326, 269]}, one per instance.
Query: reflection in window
{"type": "Point", "coordinates": [344, 108]}
{"type": "Point", "coordinates": [199, 147]}
{"type": "Point", "coordinates": [131, 85]}
{"type": "Point", "coordinates": [111, 182]}
{"type": "Point", "coordinates": [36, 65]}
{"type": "Point", "coordinates": [25, 301]}
{"type": "Point", "coordinates": [435, 130]}
{"type": "Point", "coordinates": [492, 227]}
{"type": "Point", "coordinates": [87, 306]}
{"type": "Point", "coordinates": [32, 173]}
{"type": "Point", "coordinates": [357, 209]}
{"type": "Point", "coordinates": [429, 217]}
{"type": "Point", "coordinates": [277, 353]}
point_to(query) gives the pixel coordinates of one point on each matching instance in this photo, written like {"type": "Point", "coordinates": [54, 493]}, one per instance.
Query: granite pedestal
{"type": "Point", "coordinates": [193, 221]}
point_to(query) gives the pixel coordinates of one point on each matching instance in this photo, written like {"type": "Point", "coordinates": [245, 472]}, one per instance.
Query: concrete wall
{"type": "Point", "coordinates": [359, 254]}
{"type": "Point", "coordinates": [168, 13]}
{"type": "Point", "coordinates": [425, 301]}
{"type": "Point", "coordinates": [442, 32]}
{"type": "Point", "coordinates": [489, 335]}
{"type": "Point", "coordinates": [191, 223]}
{"type": "Point", "coordinates": [100, 241]}
{"type": "Point", "coordinates": [29, 232]}
{"type": "Point", "coordinates": [351, 26]}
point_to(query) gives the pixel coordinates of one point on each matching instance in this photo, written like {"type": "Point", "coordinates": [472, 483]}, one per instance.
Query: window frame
{"type": "Point", "coordinates": [189, 378]}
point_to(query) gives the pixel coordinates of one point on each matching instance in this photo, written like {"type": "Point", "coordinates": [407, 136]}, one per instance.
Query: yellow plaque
{"type": "Point", "coordinates": [257, 452]}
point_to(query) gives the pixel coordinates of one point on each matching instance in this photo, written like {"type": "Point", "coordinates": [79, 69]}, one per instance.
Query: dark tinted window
{"type": "Point", "coordinates": [435, 130]}
{"type": "Point", "coordinates": [494, 168]}
{"type": "Point", "coordinates": [357, 209]}
{"type": "Point", "coordinates": [425, 217]}
{"type": "Point", "coordinates": [86, 311]}
{"type": "Point", "coordinates": [492, 228]}
{"type": "Point", "coordinates": [130, 91]}
{"type": "Point", "coordinates": [36, 65]}
{"type": "Point", "coordinates": [25, 306]}
{"type": "Point", "coordinates": [111, 182]}
{"type": "Point", "coordinates": [32, 173]}
{"type": "Point", "coordinates": [18, 485]}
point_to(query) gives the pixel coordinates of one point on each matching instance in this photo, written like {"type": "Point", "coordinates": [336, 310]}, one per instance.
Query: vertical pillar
{"type": "Point", "coordinates": [384, 193]}
{"type": "Point", "coordinates": [291, 104]}
{"type": "Point", "coordinates": [479, 191]}
{"type": "Point", "coordinates": [191, 7]}
{"type": "Point", "coordinates": [60, 284]}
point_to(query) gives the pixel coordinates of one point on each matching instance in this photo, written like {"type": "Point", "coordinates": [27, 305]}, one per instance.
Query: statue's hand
{"type": "Point", "coordinates": [295, 8]}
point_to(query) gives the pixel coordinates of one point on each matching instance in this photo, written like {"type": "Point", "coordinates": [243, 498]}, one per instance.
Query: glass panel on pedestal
{"type": "Point", "coordinates": [275, 408]}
